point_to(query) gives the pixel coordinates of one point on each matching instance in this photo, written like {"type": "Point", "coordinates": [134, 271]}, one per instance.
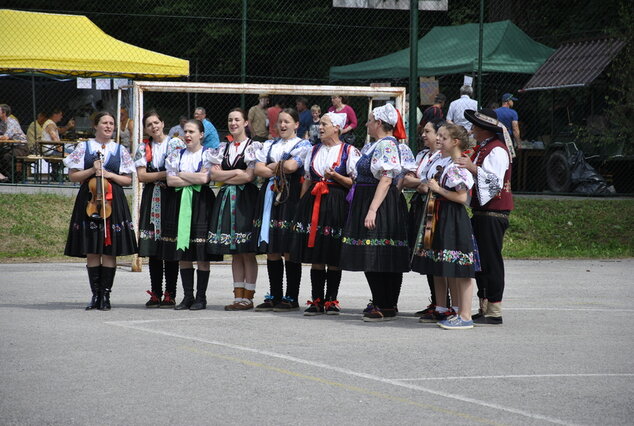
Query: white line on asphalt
{"type": "Point", "coordinates": [518, 376]}
{"type": "Point", "coordinates": [557, 308]}
{"type": "Point", "coordinates": [346, 372]}
{"type": "Point", "coordinates": [240, 317]}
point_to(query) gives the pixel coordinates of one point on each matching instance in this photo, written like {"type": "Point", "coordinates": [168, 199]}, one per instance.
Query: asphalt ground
{"type": "Point", "coordinates": [563, 355]}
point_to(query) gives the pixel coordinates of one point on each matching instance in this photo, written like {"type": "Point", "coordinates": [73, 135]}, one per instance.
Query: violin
{"type": "Point", "coordinates": [98, 207]}
{"type": "Point", "coordinates": [430, 213]}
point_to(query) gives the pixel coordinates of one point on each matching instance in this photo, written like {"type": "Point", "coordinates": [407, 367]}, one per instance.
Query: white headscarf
{"type": "Point", "coordinates": [338, 119]}
{"type": "Point", "coordinates": [386, 113]}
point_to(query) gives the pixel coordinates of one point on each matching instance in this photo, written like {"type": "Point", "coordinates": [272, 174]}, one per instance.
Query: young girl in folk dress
{"type": "Point", "coordinates": [417, 180]}
{"type": "Point", "coordinates": [452, 254]}
{"type": "Point", "coordinates": [275, 211]}
{"type": "Point", "coordinates": [188, 218]}
{"type": "Point", "coordinates": [150, 165]}
{"type": "Point", "coordinates": [375, 235]}
{"type": "Point", "coordinates": [97, 239]}
{"type": "Point", "coordinates": [231, 226]}
{"type": "Point", "coordinates": [329, 169]}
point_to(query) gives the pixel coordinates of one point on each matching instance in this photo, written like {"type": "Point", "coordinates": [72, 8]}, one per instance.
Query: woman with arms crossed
{"type": "Point", "coordinates": [231, 226]}
{"type": "Point", "coordinates": [157, 196]}
{"type": "Point", "coordinates": [187, 222]}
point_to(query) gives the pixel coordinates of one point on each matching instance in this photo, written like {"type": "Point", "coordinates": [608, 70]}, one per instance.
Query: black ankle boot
{"type": "Point", "coordinates": [202, 280]}
{"type": "Point", "coordinates": [107, 279]}
{"type": "Point", "coordinates": [94, 278]}
{"type": "Point", "coordinates": [187, 277]}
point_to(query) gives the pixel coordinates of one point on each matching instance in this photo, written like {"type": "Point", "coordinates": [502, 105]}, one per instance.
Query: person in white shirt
{"type": "Point", "coordinates": [459, 106]}
{"type": "Point", "coordinates": [178, 131]}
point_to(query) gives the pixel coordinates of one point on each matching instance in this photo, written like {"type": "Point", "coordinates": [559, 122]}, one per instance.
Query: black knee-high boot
{"type": "Point", "coordinates": [171, 278]}
{"type": "Point", "coordinates": [396, 282]}
{"type": "Point", "coordinates": [187, 277]}
{"type": "Point", "coordinates": [94, 278]}
{"type": "Point", "coordinates": [333, 279]}
{"type": "Point", "coordinates": [202, 280]}
{"type": "Point", "coordinates": [293, 279]}
{"type": "Point", "coordinates": [430, 283]}
{"type": "Point", "coordinates": [156, 281]}
{"type": "Point", "coordinates": [317, 281]}
{"type": "Point", "coordinates": [373, 279]}
{"type": "Point", "coordinates": [275, 269]}
{"type": "Point", "coordinates": [107, 279]}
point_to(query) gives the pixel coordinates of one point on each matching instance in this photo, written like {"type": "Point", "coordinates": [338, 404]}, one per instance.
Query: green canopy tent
{"type": "Point", "coordinates": [454, 50]}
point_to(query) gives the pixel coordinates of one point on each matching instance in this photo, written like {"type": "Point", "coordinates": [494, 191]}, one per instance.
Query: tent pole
{"type": "Point", "coordinates": [480, 48]}
{"type": "Point", "coordinates": [34, 111]}
{"type": "Point", "coordinates": [137, 101]}
{"type": "Point", "coordinates": [413, 73]}
{"type": "Point", "coordinates": [243, 65]}
{"type": "Point", "coordinates": [119, 115]}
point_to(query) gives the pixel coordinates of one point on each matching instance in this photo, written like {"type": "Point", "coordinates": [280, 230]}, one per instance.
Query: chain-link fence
{"type": "Point", "coordinates": [585, 99]}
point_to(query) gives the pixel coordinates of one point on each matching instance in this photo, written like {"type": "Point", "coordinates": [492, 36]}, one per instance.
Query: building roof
{"type": "Point", "coordinates": [72, 45]}
{"type": "Point", "coordinates": [575, 64]}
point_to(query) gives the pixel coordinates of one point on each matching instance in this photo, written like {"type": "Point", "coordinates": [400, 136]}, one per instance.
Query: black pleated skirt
{"type": "Point", "coordinates": [383, 249]}
{"type": "Point", "coordinates": [453, 251]}
{"type": "Point", "coordinates": [233, 227]}
{"type": "Point", "coordinates": [280, 221]}
{"type": "Point", "coordinates": [151, 239]}
{"type": "Point", "coordinates": [333, 211]}
{"type": "Point", "coordinates": [202, 206]}
{"type": "Point", "coordinates": [86, 235]}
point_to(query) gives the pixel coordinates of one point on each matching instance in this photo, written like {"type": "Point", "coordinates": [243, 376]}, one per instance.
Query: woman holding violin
{"type": "Point", "coordinates": [426, 162]}
{"type": "Point", "coordinates": [101, 227]}
{"type": "Point", "coordinates": [449, 252]}
{"type": "Point", "coordinates": [157, 196]}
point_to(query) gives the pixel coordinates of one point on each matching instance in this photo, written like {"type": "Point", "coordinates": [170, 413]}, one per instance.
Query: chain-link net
{"type": "Point", "coordinates": [298, 42]}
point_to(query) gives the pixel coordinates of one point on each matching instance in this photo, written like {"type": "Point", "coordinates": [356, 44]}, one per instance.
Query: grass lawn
{"type": "Point", "coordinates": [34, 228]}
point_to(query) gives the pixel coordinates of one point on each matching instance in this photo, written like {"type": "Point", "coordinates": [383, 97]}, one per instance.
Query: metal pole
{"type": "Point", "coordinates": [413, 72]}
{"type": "Point", "coordinates": [480, 48]}
{"type": "Point", "coordinates": [243, 65]}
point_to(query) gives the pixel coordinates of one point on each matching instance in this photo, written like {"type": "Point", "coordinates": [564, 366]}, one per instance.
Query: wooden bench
{"type": "Point", "coordinates": [28, 160]}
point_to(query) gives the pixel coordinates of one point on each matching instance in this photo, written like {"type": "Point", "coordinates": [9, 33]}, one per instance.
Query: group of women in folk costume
{"type": "Point", "coordinates": [328, 205]}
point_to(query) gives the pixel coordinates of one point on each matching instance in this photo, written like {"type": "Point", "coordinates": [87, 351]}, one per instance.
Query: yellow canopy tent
{"type": "Point", "coordinates": [71, 45]}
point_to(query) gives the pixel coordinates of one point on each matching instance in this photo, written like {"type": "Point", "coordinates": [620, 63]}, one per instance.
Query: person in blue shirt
{"type": "Point", "coordinates": [305, 117]}
{"type": "Point", "coordinates": [212, 140]}
{"type": "Point", "coordinates": [509, 117]}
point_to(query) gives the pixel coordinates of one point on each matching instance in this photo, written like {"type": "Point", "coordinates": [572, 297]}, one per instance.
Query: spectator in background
{"type": "Point", "coordinates": [178, 131]}
{"type": "Point", "coordinates": [211, 140]}
{"type": "Point", "coordinates": [459, 106]}
{"type": "Point", "coordinates": [10, 130]}
{"type": "Point", "coordinates": [51, 133]}
{"type": "Point", "coordinates": [339, 105]}
{"type": "Point", "coordinates": [509, 117]}
{"type": "Point", "coordinates": [305, 118]}
{"type": "Point", "coordinates": [419, 116]}
{"type": "Point", "coordinates": [126, 128]}
{"type": "Point", "coordinates": [34, 132]}
{"type": "Point", "coordinates": [272, 114]}
{"type": "Point", "coordinates": [257, 119]}
{"type": "Point", "coordinates": [434, 112]}
{"type": "Point", "coordinates": [313, 130]}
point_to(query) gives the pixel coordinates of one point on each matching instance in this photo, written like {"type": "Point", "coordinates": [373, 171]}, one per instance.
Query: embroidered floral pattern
{"type": "Point", "coordinates": [374, 242]}
{"type": "Point", "coordinates": [328, 231]}
{"type": "Point", "coordinates": [450, 256]}
{"type": "Point", "coordinates": [279, 224]}
{"type": "Point", "coordinates": [227, 240]}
